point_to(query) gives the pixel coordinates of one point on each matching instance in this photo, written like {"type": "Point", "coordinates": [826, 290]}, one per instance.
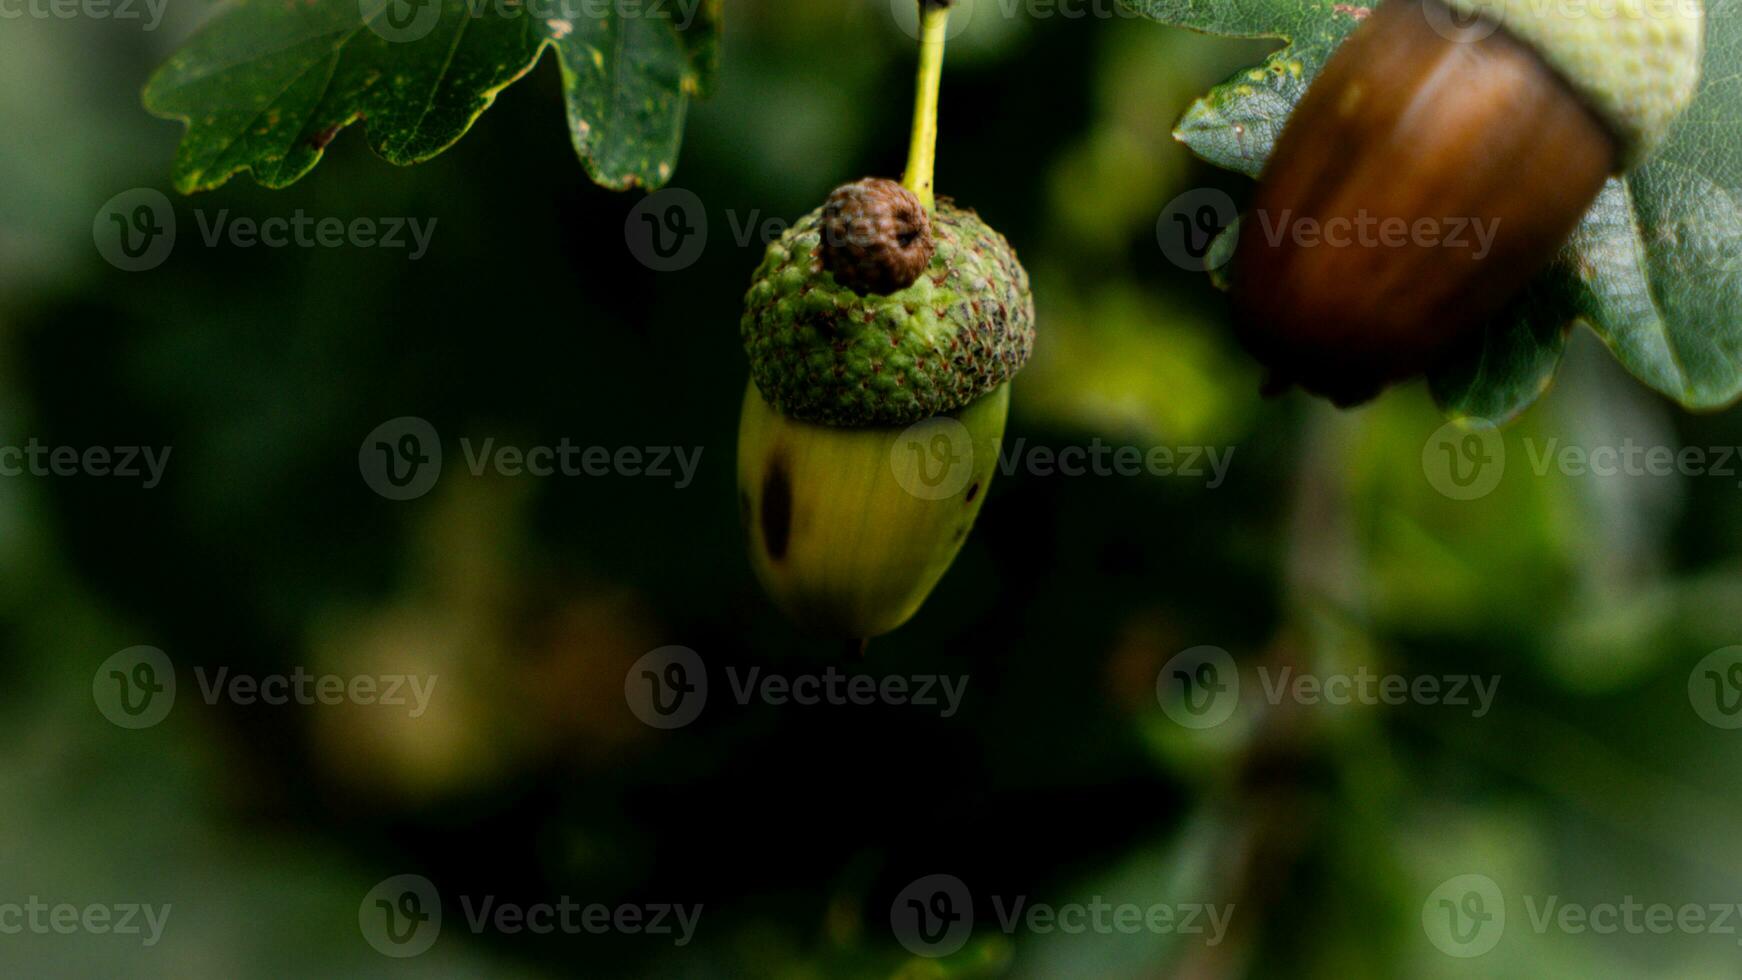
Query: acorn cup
{"type": "Point", "coordinates": [883, 330]}
{"type": "Point", "coordinates": [1440, 160]}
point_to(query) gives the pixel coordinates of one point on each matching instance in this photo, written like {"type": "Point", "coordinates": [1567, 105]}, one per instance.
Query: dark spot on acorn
{"type": "Point", "coordinates": [776, 508]}
{"type": "Point", "coordinates": [973, 491]}
{"type": "Point", "coordinates": [1439, 142]}
{"type": "Point", "coordinates": [876, 236]}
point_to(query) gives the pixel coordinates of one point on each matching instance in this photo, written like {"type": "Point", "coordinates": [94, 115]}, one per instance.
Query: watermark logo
{"type": "Point", "coordinates": [135, 688]}
{"type": "Point", "coordinates": [667, 230]}
{"type": "Point", "coordinates": [1715, 688]}
{"type": "Point", "coordinates": [1461, 26]}
{"type": "Point", "coordinates": [401, 916]}
{"type": "Point", "coordinates": [668, 687]}
{"type": "Point", "coordinates": [906, 14]}
{"type": "Point", "coordinates": [40, 918]}
{"type": "Point", "coordinates": [400, 21]}
{"type": "Point", "coordinates": [121, 462]}
{"type": "Point", "coordinates": [1476, 20]}
{"type": "Point", "coordinates": [571, 918]}
{"type": "Point", "coordinates": [1200, 687]}
{"type": "Point", "coordinates": [152, 14]}
{"type": "Point", "coordinates": [409, 691]}
{"type": "Point", "coordinates": [933, 916]}
{"type": "Point", "coordinates": [1465, 916]}
{"type": "Point", "coordinates": [933, 459]}
{"type": "Point", "coordinates": [1709, 229]}
{"type": "Point", "coordinates": [401, 458]}
{"type": "Point", "coordinates": [135, 230]}
{"type": "Point", "coordinates": [1102, 459]}
{"type": "Point", "coordinates": [302, 230]}
{"type": "Point", "coordinates": [1189, 226]}
{"type": "Point", "coordinates": [1465, 458]}
{"type": "Point", "coordinates": [1364, 229]}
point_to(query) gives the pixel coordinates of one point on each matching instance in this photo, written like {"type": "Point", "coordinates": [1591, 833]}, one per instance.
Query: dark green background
{"type": "Point", "coordinates": [1327, 548]}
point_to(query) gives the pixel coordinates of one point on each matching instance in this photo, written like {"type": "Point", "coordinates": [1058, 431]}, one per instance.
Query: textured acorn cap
{"type": "Point", "coordinates": [820, 352]}
{"type": "Point", "coordinates": [1636, 62]}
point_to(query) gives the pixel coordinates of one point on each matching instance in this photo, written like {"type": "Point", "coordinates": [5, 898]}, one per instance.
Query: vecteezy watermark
{"type": "Point", "coordinates": [1190, 226]}
{"type": "Point", "coordinates": [401, 459]}
{"type": "Point", "coordinates": [572, 918]}
{"type": "Point", "coordinates": [122, 462]}
{"type": "Point", "coordinates": [934, 459]}
{"type": "Point", "coordinates": [1715, 688]}
{"type": "Point", "coordinates": [300, 687]}
{"type": "Point", "coordinates": [906, 15]}
{"type": "Point", "coordinates": [1474, 20]}
{"type": "Point", "coordinates": [934, 917]}
{"type": "Point", "coordinates": [1629, 458]}
{"type": "Point", "coordinates": [963, 12]}
{"type": "Point", "coordinates": [302, 231]}
{"type": "Point", "coordinates": [405, 21]}
{"type": "Point", "coordinates": [567, 459]}
{"type": "Point", "coordinates": [1199, 688]}
{"type": "Point", "coordinates": [1465, 459]}
{"type": "Point", "coordinates": [1466, 916]}
{"type": "Point", "coordinates": [668, 688]}
{"type": "Point", "coordinates": [1207, 463]}
{"type": "Point", "coordinates": [135, 688]}
{"type": "Point", "coordinates": [40, 918]}
{"type": "Point", "coordinates": [1364, 229]}
{"type": "Point", "coordinates": [402, 917]}
{"type": "Point", "coordinates": [149, 11]}
{"type": "Point", "coordinates": [135, 231]}
{"type": "Point", "coordinates": [668, 229]}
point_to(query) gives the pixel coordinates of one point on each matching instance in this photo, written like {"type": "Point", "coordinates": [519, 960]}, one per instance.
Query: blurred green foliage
{"type": "Point", "coordinates": [1062, 777]}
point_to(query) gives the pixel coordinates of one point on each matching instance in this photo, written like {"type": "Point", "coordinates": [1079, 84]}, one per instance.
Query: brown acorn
{"type": "Point", "coordinates": [1426, 177]}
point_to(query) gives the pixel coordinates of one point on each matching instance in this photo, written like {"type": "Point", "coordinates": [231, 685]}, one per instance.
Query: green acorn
{"type": "Point", "coordinates": [882, 329]}
{"type": "Point", "coordinates": [850, 528]}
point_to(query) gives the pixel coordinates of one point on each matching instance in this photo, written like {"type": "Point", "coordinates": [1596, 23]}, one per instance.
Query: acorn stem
{"type": "Point", "coordinates": [934, 17]}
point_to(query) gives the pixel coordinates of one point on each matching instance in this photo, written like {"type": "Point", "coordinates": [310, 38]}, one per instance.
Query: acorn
{"type": "Point", "coordinates": [1437, 164]}
{"type": "Point", "coordinates": [883, 329]}
{"type": "Point", "coordinates": [882, 339]}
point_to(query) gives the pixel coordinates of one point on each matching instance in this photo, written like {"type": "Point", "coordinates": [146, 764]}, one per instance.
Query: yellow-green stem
{"type": "Point", "coordinates": [922, 151]}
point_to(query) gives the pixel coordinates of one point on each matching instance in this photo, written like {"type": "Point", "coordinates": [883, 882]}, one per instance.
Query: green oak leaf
{"type": "Point", "coordinates": [267, 84]}
{"type": "Point", "coordinates": [1655, 269]}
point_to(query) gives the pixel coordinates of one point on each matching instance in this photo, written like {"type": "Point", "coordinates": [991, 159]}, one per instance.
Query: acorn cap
{"type": "Point", "coordinates": [1636, 62]}
{"type": "Point", "coordinates": [821, 352]}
